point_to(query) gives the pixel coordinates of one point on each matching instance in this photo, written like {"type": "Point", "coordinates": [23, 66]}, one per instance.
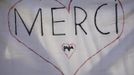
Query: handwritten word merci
{"type": "Point", "coordinates": [77, 24]}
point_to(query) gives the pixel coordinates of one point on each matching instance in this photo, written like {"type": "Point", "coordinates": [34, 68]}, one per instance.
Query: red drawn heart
{"type": "Point", "coordinates": [66, 6]}
{"type": "Point", "coordinates": [46, 60]}
{"type": "Point", "coordinates": [66, 52]}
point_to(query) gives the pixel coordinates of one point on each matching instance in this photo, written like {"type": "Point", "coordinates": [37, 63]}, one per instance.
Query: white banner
{"type": "Point", "coordinates": [66, 37]}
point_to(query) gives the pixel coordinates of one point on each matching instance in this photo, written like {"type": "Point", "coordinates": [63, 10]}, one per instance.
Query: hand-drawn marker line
{"type": "Point", "coordinates": [89, 58]}
{"type": "Point", "coordinates": [71, 53]}
{"type": "Point", "coordinates": [32, 50]}
{"type": "Point", "coordinates": [52, 63]}
{"type": "Point", "coordinates": [68, 6]}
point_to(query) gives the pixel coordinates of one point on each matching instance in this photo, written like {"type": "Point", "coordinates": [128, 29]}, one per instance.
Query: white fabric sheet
{"type": "Point", "coordinates": [64, 39]}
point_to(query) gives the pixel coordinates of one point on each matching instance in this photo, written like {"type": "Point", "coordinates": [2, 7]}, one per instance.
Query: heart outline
{"type": "Point", "coordinates": [72, 44]}
{"type": "Point", "coordinates": [68, 6]}
{"type": "Point", "coordinates": [46, 60]}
